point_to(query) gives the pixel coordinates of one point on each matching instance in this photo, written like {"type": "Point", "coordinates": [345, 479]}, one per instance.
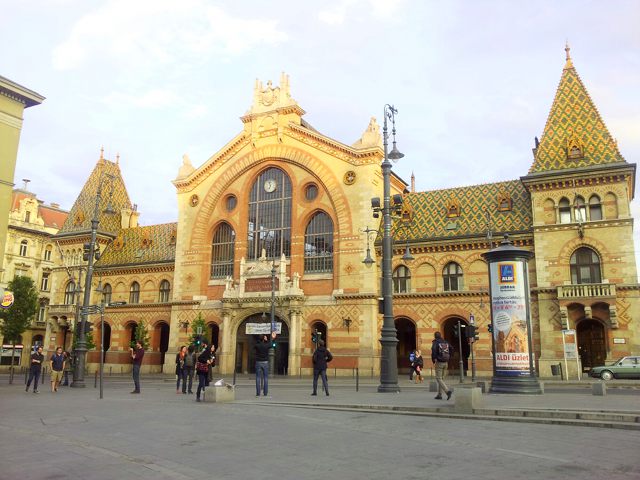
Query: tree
{"type": "Point", "coordinates": [18, 316]}
{"type": "Point", "coordinates": [88, 337]}
{"type": "Point", "coordinates": [142, 335]}
{"type": "Point", "coordinates": [198, 325]}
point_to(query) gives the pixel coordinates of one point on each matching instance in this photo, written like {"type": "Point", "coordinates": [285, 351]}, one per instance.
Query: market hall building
{"type": "Point", "coordinates": [283, 206]}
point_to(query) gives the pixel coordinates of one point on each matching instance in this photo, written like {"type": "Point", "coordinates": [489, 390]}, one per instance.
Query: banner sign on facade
{"type": "Point", "coordinates": [263, 328]}
{"type": "Point", "coordinates": [570, 346]}
{"type": "Point", "coordinates": [509, 308]}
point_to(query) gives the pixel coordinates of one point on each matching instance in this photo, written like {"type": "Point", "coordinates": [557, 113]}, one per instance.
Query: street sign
{"type": "Point", "coordinates": [117, 304]}
{"type": "Point", "coordinates": [263, 328]}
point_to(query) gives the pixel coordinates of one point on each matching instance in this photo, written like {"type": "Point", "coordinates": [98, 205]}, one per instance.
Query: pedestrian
{"type": "Point", "coordinates": [34, 370]}
{"type": "Point", "coordinates": [321, 357]}
{"type": "Point", "coordinates": [202, 367]}
{"type": "Point", "coordinates": [418, 364]}
{"type": "Point", "coordinates": [68, 367]}
{"type": "Point", "coordinates": [212, 364]}
{"type": "Point", "coordinates": [412, 369]}
{"type": "Point", "coordinates": [56, 362]}
{"type": "Point", "coordinates": [180, 372]}
{"type": "Point", "coordinates": [137, 355]}
{"type": "Point", "coordinates": [441, 352]}
{"type": "Point", "coordinates": [262, 364]}
{"type": "Point", "coordinates": [189, 365]}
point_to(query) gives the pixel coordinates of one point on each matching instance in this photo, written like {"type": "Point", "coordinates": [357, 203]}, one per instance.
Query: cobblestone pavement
{"type": "Point", "coordinates": [159, 434]}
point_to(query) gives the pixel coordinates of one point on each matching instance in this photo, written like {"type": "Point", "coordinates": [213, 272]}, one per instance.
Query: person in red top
{"type": "Point", "coordinates": [137, 354]}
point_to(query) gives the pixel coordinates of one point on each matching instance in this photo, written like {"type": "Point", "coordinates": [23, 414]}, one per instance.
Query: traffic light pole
{"type": "Point", "coordinates": [460, 352]}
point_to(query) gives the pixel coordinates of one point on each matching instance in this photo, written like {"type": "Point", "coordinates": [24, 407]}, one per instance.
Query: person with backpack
{"type": "Point", "coordinates": [412, 366]}
{"type": "Point", "coordinates": [440, 354]}
{"type": "Point", "coordinates": [321, 357]}
{"type": "Point", "coordinates": [189, 364]}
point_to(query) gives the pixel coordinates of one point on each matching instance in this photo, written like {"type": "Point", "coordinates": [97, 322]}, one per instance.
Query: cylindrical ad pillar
{"type": "Point", "coordinates": [513, 360]}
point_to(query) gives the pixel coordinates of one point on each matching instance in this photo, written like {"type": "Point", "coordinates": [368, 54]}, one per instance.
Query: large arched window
{"type": "Point", "coordinates": [69, 293]}
{"type": "Point", "coordinates": [270, 215]}
{"type": "Point", "coordinates": [452, 277]}
{"type": "Point", "coordinates": [23, 248]}
{"type": "Point", "coordinates": [595, 208]}
{"type": "Point", "coordinates": [222, 251]}
{"type": "Point", "coordinates": [564, 210]}
{"type": "Point", "coordinates": [585, 266]}
{"type": "Point", "coordinates": [106, 293]}
{"type": "Point", "coordinates": [318, 244]}
{"type": "Point", "coordinates": [134, 293]}
{"type": "Point", "coordinates": [580, 209]}
{"type": "Point", "coordinates": [165, 290]}
{"type": "Point", "coordinates": [401, 280]}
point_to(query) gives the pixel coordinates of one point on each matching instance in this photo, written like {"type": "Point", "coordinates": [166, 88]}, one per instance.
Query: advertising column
{"type": "Point", "coordinates": [513, 362]}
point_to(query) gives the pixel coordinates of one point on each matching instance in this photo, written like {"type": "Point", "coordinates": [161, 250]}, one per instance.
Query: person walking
{"type": "Point", "coordinates": [137, 355]}
{"type": "Point", "coordinates": [68, 368]}
{"type": "Point", "coordinates": [412, 366]}
{"type": "Point", "coordinates": [321, 357]}
{"type": "Point", "coordinates": [262, 364]}
{"type": "Point", "coordinates": [180, 371]}
{"type": "Point", "coordinates": [189, 365]}
{"type": "Point", "coordinates": [212, 364]}
{"type": "Point", "coordinates": [418, 364]}
{"type": "Point", "coordinates": [35, 369]}
{"type": "Point", "coordinates": [440, 354]}
{"type": "Point", "coordinates": [202, 367]}
{"type": "Point", "coordinates": [56, 363]}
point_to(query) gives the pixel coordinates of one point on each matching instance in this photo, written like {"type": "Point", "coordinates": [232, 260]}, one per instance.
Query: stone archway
{"type": "Point", "coordinates": [245, 356]}
{"type": "Point", "coordinates": [406, 334]}
{"type": "Point", "coordinates": [450, 334]}
{"type": "Point", "coordinates": [592, 345]}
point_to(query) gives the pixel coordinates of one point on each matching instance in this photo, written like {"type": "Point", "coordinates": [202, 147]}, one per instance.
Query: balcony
{"type": "Point", "coordinates": [61, 310]}
{"type": "Point", "coordinates": [587, 290]}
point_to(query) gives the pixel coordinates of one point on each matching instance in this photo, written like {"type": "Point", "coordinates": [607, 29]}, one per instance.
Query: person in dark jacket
{"type": "Point", "coordinates": [202, 367]}
{"type": "Point", "coordinates": [180, 371]}
{"type": "Point", "coordinates": [36, 368]}
{"type": "Point", "coordinates": [321, 357]}
{"type": "Point", "coordinates": [418, 365]}
{"type": "Point", "coordinates": [262, 364]}
{"type": "Point", "coordinates": [441, 352]}
{"type": "Point", "coordinates": [189, 365]}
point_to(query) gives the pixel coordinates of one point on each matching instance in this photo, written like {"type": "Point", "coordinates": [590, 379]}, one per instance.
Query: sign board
{"type": "Point", "coordinates": [509, 313]}
{"type": "Point", "coordinates": [472, 319]}
{"type": "Point", "coordinates": [620, 340]}
{"type": "Point", "coordinates": [262, 284]}
{"type": "Point", "coordinates": [263, 328]}
{"type": "Point", "coordinates": [570, 346]}
{"type": "Point", "coordinates": [7, 299]}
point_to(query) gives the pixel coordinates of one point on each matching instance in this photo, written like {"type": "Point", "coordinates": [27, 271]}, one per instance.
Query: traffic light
{"type": "Point", "coordinates": [470, 331]}
{"type": "Point", "coordinates": [314, 337]}
{"type": "Point", "coordinates": [96, 253]}
{"type": "Point", "coordinates": [490, 327]}
{"type": "Point", "coordinates": [198, 340]}
{"type": "Point", "coordinates": [86, 251]}
{"type": "Point", "coordinates": [88, 327]}
{"type": "Point", "coordinates": [273, 344]}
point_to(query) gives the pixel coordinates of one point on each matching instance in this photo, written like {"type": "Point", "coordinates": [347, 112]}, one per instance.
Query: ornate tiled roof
{"type": "Point", "coordinates": [79, 219]}
{"type": "Point", "coordinates": [141, 246]}
{"type": "Point", "coordinates": [574, 135]}
{"type": "Point", "coordinates": [462, 211]}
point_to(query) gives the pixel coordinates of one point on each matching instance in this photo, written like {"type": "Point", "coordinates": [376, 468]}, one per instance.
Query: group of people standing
{"type": "Point", "coordinates": [59, 363]}
{"type": "Point", "coordinates": [188, 362]}
{"type": "Point", "coordinates": [441, 352]}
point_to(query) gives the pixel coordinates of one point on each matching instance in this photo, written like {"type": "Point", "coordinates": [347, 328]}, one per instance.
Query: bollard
{"type": "Point", "coordinates": [110, 370]}
{"type": "Point", "coordinates": [25, 377]}
{"type": "Point", "coordinates": [357, 380]}
{"type": "Point", "coordinates": [300, 371]}
{"type": "Point", "coordinates": [234, 376]}
{"type": "Point", "coordinates": [599, 388]}
{"type": "Point", "coordinates": [95, 380]}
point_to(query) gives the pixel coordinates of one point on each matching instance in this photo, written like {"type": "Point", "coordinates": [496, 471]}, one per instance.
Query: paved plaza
{"type": "Point", "coordinates": [160, 434]}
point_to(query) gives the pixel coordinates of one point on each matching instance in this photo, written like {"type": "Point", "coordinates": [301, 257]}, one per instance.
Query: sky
{"type": "Point", "coordinates": [473, 82]}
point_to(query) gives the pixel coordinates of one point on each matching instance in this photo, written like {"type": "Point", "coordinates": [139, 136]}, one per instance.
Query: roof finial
{"type": "Point", "coordinates": [567, 49]}
{"type": "Point", "coordinates": [413, 183]}
{"type": "Point", "coordinates": [118, 158]}
{"type": "Point", "coordinates": [102, 153]}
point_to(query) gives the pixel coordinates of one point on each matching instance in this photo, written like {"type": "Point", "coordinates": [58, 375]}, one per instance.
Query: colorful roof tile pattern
{"type": "Point", "coordinates": [115, 191]}
{"type": "Point", "coordinates": [574, 135]}
{"type": "Point", "coordinates": [464, 211]}
{"type": "Point", "coordinates": [141, 246]}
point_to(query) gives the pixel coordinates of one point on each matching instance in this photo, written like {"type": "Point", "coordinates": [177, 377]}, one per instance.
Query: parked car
{"type": "Point", "coordinates": [626, 367]}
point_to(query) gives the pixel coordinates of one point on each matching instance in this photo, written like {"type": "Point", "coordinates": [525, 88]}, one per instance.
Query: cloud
{"type": "Point", "coordinates": [161, 32]}
{"type": "Point", "coordinates": [156, 98]}
{"type": "Point", "coordinates": [345, 9]}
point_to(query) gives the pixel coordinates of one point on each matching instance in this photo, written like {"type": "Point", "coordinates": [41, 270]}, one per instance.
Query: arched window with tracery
{"type": "Point", "coordinates": [106, 293]}
{"type": "Point", "coordinates": [165, 291]}
{"type": "Point", "coordinates": [585, 266]}
{"type": "Point", "coordinates": [564, 210]}
{"type": "Point", "coordinates": [401, 279]}
{"type": "Point", "coordinates": [222, 251]}
{"type": "Point", "coordinates": [269, 226]}
{"type": "Point", "coordinates": [595, 208]}
{"type": "Point", "coordinates": [318, 244]}
{"type": "Point", "coordinates": [452, 277]}
{"type": "Point", "coordinates": [134, 293]}
{"type": "Point", "coordinates": [69, 293]}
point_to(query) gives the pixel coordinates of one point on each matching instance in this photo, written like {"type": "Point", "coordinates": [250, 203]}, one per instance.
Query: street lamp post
{"type": "Point", "coordinates": [81, 344]}
{"type": "Point", "coordinates": [388, 338]}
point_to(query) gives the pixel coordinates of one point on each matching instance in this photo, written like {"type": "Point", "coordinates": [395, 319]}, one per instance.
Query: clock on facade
{"type": "Point", "coordinates": [270, 185]}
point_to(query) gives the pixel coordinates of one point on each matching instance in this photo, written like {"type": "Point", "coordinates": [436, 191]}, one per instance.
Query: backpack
{"type": "Point", "coordinates": [412, 357]}
{"type": "Point", "coordinates": [329, 356]}
{"type": "Point", "coordinates": [444, 351]}
{"type": "Point", "coordinates": [188, 359]}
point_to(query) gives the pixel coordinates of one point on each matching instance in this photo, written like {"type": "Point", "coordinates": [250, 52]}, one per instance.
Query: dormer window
{"type": "Point", "coordinates": [504, 202]}
{"type": "Point", "coordinates": [453, 210]}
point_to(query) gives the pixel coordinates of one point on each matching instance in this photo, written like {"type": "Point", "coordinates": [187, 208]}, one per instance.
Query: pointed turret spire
{"type": "Point", "coordinates": [102, 152]}
{"type": "Point", "coordinates": [574, 135]}
{"type": "Point", "coordinates": [413, 183]}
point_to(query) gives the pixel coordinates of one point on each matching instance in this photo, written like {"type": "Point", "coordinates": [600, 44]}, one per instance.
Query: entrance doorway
{"type": "Point", "coordinates": [162, 335]}
{"type": "Point", "coordinates": [450, 334]}
{"type": "Point", "coordinates": [245, 353]}
{"type": "Point", "coordinates": [592, 346]}
{"type": "Point", "coordinates": [406, 334]}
